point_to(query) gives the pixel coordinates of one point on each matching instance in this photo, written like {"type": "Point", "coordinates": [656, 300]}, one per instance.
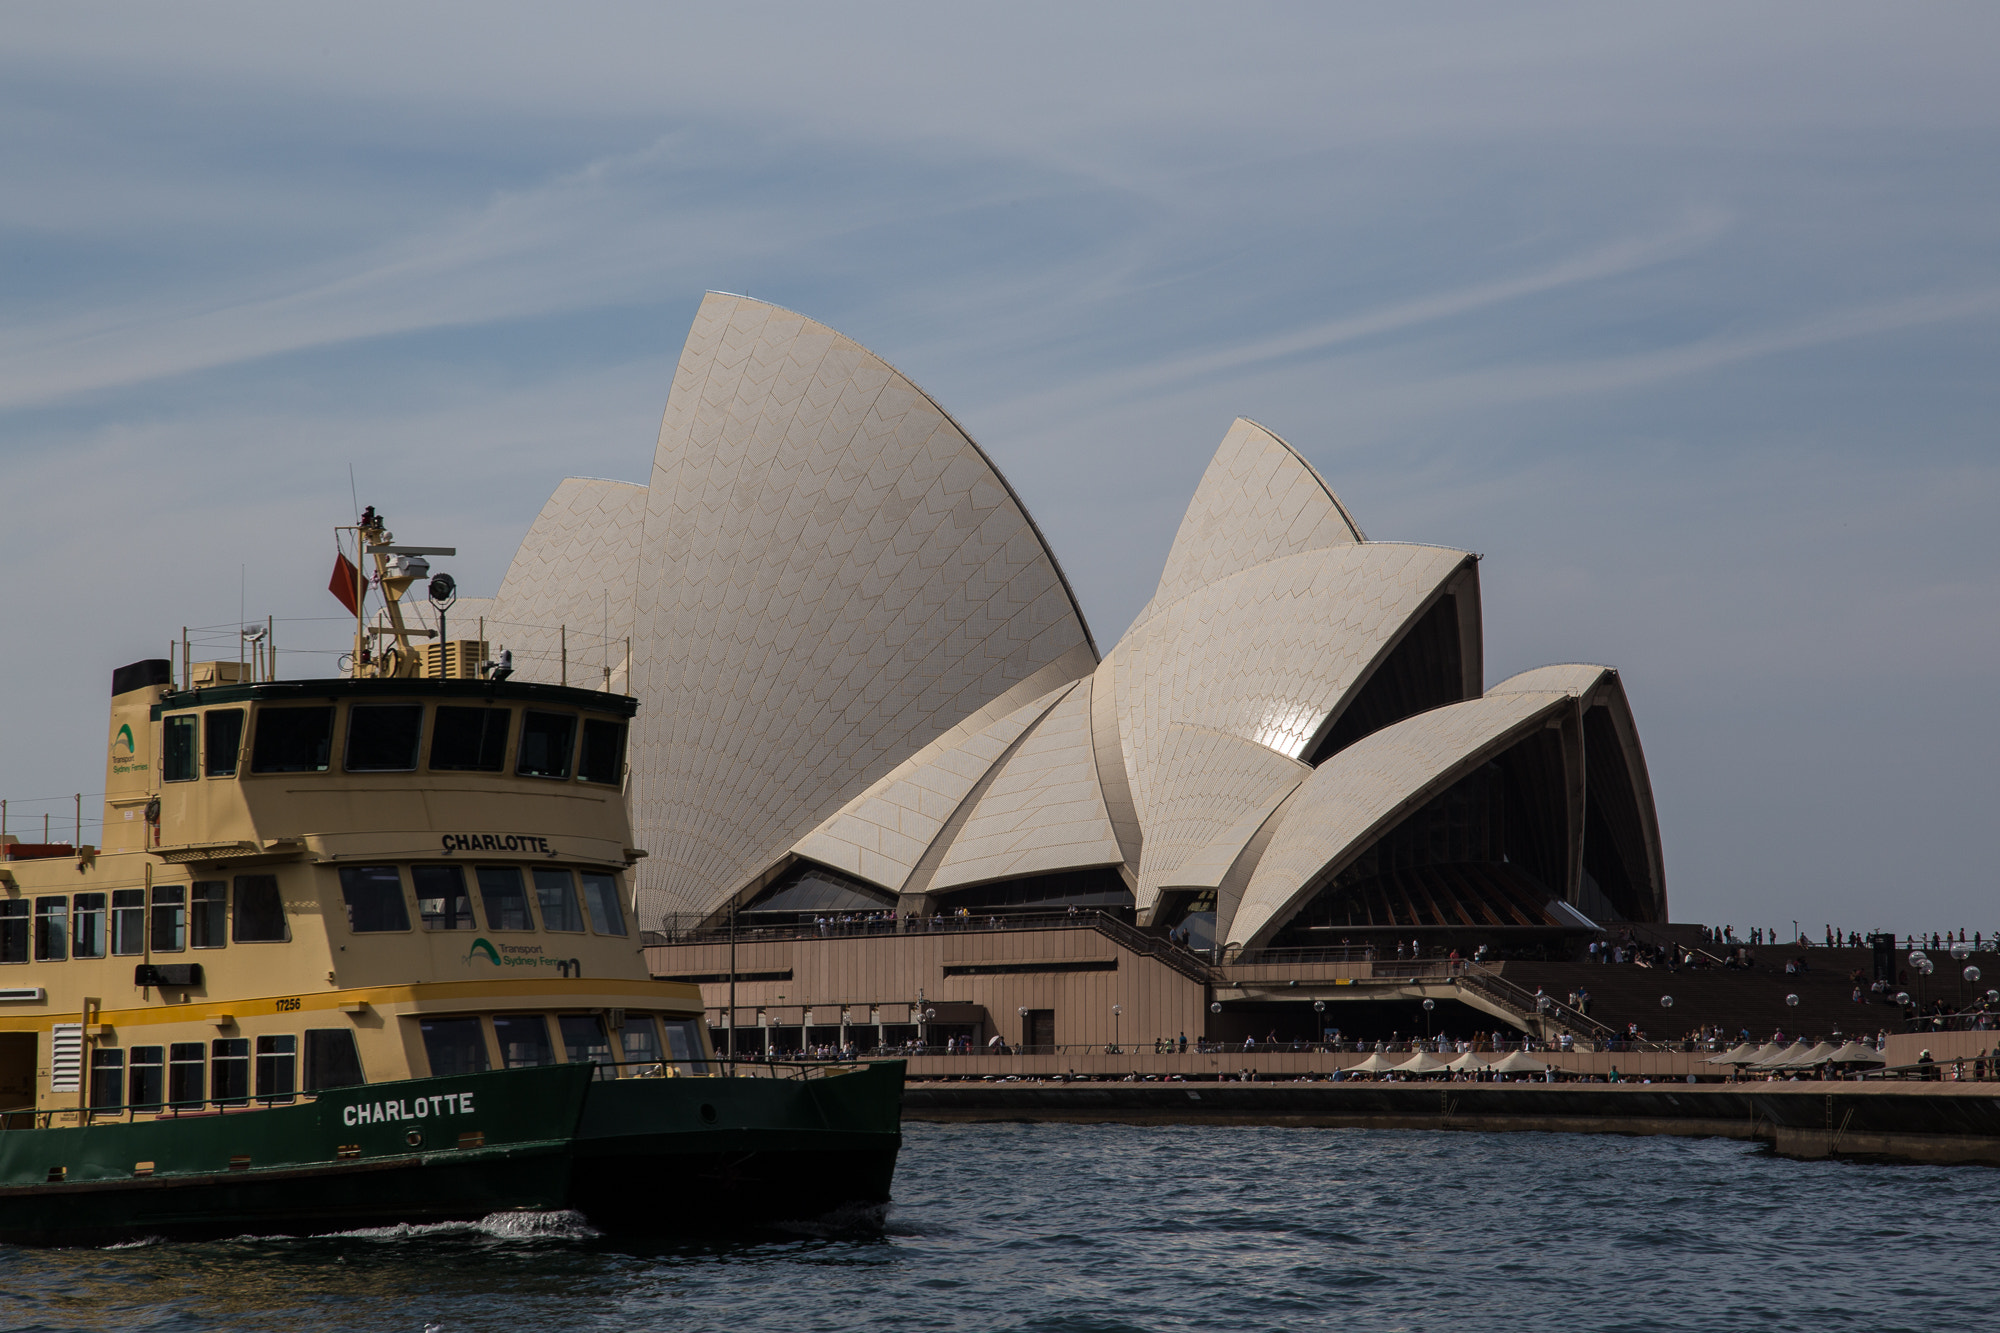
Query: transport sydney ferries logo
{"type": "Point", "coordinates": [123, 748]}
{"type": "Point", "coordinates": [519, 955]}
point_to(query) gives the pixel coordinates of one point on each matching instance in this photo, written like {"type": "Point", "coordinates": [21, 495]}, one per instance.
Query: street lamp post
{"type": "Point", "coordinates": [1215, 1010]}
{"type": "Point", "coordinates": [1117, 1010]}
{"type": "Point", "coordinates": [1428, 1006]}
{"type": "Point", "coordinates": [1026, 1036]}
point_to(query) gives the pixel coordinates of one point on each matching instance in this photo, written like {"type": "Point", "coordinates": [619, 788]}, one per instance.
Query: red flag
{"type": "Point", "coordinates": [345, 577]}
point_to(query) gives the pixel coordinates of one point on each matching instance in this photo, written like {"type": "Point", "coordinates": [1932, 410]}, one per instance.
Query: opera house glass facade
{"type": "Point", "coordinates": [866, 687]}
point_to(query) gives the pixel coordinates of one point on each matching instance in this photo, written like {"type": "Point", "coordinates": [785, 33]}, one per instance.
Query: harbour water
{"type": "Point", "coordinates": [1102, 1227]}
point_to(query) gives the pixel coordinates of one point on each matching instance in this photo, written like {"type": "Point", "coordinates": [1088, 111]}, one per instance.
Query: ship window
{"type": "Point", "coordinates": [185, 1074]}
{"type": "Point", "coordinates": [177, 759]}
{"type": "Point", "coordinates": [556, 892]}
{"type": "Point", "coordinates": [206, 913]}
{"type": "Point", "coordinates": [505, 901]}
{"type": "Point", "coordinates": [148, 1082]}
{"type": "Point", "coordinates": [547, 740]}
{"type": "Point", "coordinates": [14, 930]}
{"type": "Point", "coordinates": [454, 1045]}
{"type": "Point", "coordinates": [641, 1041]}
{"type": "Point", "coordinates": [107, 1079]}
{"type": "Point", "coordinates": [524, 1040]}
{"type": "Point", "coordinates": [469, 740]}
{"type": "Point", "coordinates": [383, 738]}
{"type": "Point", "coordinates": [87, 925]}
{"type": "Point", "coordinates": [51, 929]}
{"type": "Point", "coordinates": [684, 1044]}
{"type": "Point", "coordinates": [169, 918]}
{"type": "Point", "coordinates": [331, 1059]}
{"type": "Point", "coordinates": [128, 921]}
{"type": "Point", "coordinates": [442, 901]}
{"type": "Point", "coordinates": [292, 740]}
{"type": "Point", "coordinates": [583, 1040]}
{"type": "Point", "coordinates": [603, 756]}
{"type": "Point", "coordinates": [260, 913]}
{"type": "Point", "coordinates": [277, 1066]}
{"type": "Point", "coordinates": [374, 897]}
{"type": "Point", "coordinates": [221, 741]}
{"type": "Point", "coordinates": [229, 1069]}
{"type": "Point", "coordinates": [600, 895]}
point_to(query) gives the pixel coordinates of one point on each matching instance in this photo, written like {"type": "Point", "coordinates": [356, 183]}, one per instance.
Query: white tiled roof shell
{"type": "Point", "coordinates": [1363, 791]}
{"type": "Point", "coordinates": [1043, 812]}
{"type": "Point", "coordinates": [833, 576]}
{"type": "Point", "coordinates": [577, 567]}
{"type": "Point", "coordinates": [1221, 690]}
{"type": "Point", "coordinates": [1258, 500]}
{"type": "Point", "coordinates": [882, 834]}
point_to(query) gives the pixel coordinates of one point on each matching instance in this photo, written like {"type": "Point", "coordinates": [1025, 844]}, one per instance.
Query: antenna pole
{"type": "Point", "coordinates": [565, 653]}
{"type": "Point", "coordinates": [270, 647]}
{"type": "Point", "coordinates": [79, 820]}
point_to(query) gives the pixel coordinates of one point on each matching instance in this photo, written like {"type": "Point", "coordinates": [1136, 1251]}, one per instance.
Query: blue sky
{"type": "Point", "coordinates": [1686, 318]}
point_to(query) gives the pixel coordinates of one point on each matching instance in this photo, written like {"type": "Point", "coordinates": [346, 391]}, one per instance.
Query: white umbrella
{"type": "Point", "coordinates": [1421, 1063]}
{"type": "Point", "coordinates": [1467, 1064]}
{"type": "Point", "coordinates": [1784, 1055]}
{"type": "Point", "coordinates": [1520, 1062]}
{"type": "Point", "coordinates": [1761, 1054]}
{"type": "Point", "coordinates": [1816, 1056]}
{"type": "Point", "coordinates": [1377, 1063]}
{"type": "Point", "coordinates": [1856, 1053]}
{"type": "Point", "coordinates": [1741, 1055]}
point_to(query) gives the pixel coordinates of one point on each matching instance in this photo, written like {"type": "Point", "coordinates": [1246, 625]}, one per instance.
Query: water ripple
{"type": "Point", "coordinates": [1103, 1229]}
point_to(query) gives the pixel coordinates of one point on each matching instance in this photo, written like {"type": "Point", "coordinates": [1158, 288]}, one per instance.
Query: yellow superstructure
{"type": "Point", "coordinates": [310, 883]}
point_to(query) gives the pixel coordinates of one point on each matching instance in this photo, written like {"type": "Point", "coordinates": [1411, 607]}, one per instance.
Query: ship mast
{"type": "Point", "coordinates": [396, 568]}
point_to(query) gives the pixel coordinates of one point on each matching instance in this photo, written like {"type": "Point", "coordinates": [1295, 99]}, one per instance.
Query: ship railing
{"type": "Point", "coordinates": [111, 1115]}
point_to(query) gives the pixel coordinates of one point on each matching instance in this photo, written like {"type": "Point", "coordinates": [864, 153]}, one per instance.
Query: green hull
{"type": "Point", "coordinates": [633, 1156]}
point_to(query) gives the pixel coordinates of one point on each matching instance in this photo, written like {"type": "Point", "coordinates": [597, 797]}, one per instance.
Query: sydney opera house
{"type": "Point", "coordinates": [866, 688]}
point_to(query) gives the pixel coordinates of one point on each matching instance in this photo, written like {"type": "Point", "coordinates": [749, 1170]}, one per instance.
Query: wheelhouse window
{"type": "Point", "coordinates": [374, 896]}
{"type": "Point", "coordinates": [600, 897]}
{"type": "Point", "coordinates": [442, 902]}
{"type": "Point", "coordinates": [169, 918]}
{"type": "Point", "coordinates": [148, 1082]}
{"type": "Point", "coordinates": [260, 912]}
{"type": "Point", "coordinates": [469, 740]}
{"type": "Point", "coordinates": [547, 743]}
{"type": "Point", "coordinates": [384, 738]}
{"type": "Point", "coordinates": [229, 1069]}
{"type": "Point", "coordinates": [51, 929]}
{"type": "Point", "coordinates": [684, 1044]}
{"type": "Point", "coordinates": [603, 756]}
{"type": "Point", "coordinates": [107, 1079]}
{"type": "Point", "coordinates": [87, 925]}
{"type": "Point", "coordinates": [208, 913]}
{"type": "Point", "coordinates": [524, 1040]}
{"type": "Point", "coordinates": [292, 740]}
{"type": "Point", "coordinates": [455, 1045]}
{"type": "Point", "coordinates": [177, 762]}
{"type": "Point", "coordinates": [277, 1066]}
{"type": "Point", "coordinates": [14, 930]}
{"type": "Point", "coordinates": [555, 892]}
{"type": "Point", "coordinates": [640, 1039]}
{"type": "Point", "coordinates": [221, 741]}
{"type": "Point", "coordinates": [186, 1074]}
{"type": "Point", "coordinates": [128, 921]}
{"type": "Point", "coordinates": [331, 1059]}
{"type": "Point", "coordinates": [584, 1041]}
{"type": "Point", "coordinates": [505, 901]}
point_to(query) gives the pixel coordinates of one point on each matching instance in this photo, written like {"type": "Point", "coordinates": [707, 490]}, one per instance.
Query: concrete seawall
{"type": "Point", "coordinates": [1934, 1123]}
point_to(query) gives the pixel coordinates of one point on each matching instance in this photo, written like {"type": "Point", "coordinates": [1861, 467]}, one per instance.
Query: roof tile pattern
{"type": "Point", "coordinates": [1264, 657]}
{"type": "Point", "coordinates": [1258, 500]}
{"type": "Point", "coordinates": [881, 834]}
{"type": "Point", "coordinates": [1359, 793]}
{"type": "Point", "coordinates": [1043, 811]}
{"type": "Point", "coordinates": [833, 575]}
{"type": "Point", "coordinates": [577, 567]}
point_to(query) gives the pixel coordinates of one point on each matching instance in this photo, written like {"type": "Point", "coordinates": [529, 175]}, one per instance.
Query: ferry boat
{"type": "Point", "coordinates": [362, 951]}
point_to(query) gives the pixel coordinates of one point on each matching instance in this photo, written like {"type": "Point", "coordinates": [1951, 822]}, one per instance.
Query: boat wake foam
{"type": "Point", "coordinates": [558, 1225]}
